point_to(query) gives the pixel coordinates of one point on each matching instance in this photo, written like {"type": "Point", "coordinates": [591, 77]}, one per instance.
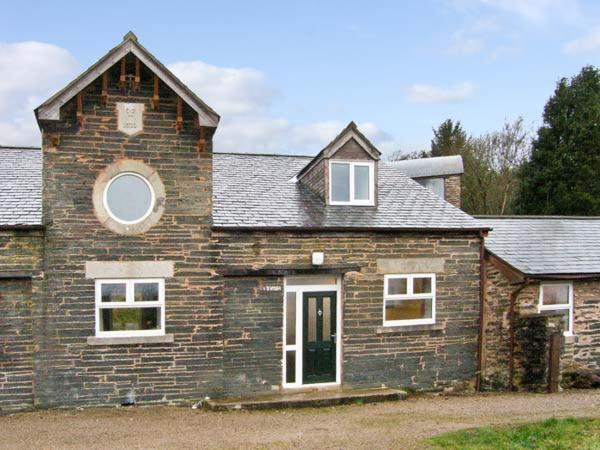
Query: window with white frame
{"type": "Point", "coordinates": [351, 183]}
{"type": "Point", "coordinates": [130, 307]}
{"type": "Point", "coordinates": [408, 299]}
{"type": "Point", "coordinates": [558, 297]}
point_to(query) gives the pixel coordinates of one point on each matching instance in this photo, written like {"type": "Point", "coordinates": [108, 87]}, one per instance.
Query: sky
{"type": "Point", "coordinates": [287, 76]}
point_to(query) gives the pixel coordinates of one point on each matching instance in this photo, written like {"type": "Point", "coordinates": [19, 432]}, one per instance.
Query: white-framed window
{"type": "Point", "coordinates": [558, 297]}
{"type": "Point", "coordinates": [129, 198]}
{"type": "Point", "coordinates": [127, 308]}
{"type": "Point", "coordinates": [351, 183]}
{"type": "Point", "coordinates": [409, 299]}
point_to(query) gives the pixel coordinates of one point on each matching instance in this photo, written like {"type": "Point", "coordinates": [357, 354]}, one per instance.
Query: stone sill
{"type": "Point", "coordinates": [408, 328]}
{"type": "Point", "coordinates": [164, 339]}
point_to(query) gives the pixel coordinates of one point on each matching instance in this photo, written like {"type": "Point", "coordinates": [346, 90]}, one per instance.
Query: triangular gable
{"type": "Point", "coordinates": [350, 132]}
{"type": "Point", "coordinates": [50, 109]}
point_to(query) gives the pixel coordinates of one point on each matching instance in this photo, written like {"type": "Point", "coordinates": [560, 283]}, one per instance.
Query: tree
{"type": "Point", "coordinates": [400, 155]}
{"type": "Point", "coordinates": [448, 139]}
{"type": "Point", "coordinates": [562, 176]}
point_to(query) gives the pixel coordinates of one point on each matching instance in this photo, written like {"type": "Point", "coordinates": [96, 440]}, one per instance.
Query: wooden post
{"type": "Point", "coordinates": [179, 121]}
{"type": "Point", "coordinates": [136, 80]}
{"type": "Point", "coordinates": [80, 117]}
{"type": "Point", "coordinates": [202, 140]}
{"type": "Point", "coordinates": [123, 77]}
{"type": "Point", "coordinates": [155, 96]}
{"type": "Point", "coordinates": [554, 362]}
{"type": "Point", "coordinates": [105, 88]}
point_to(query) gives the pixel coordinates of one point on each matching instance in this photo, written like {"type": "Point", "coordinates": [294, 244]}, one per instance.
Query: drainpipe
{"type": "Point", "coordinates": [482, 235]}
{"type": "Point", "coordinates": [511, 349]}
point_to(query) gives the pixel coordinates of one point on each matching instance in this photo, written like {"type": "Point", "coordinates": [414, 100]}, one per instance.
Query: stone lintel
{"type": "Point", "coordinates": [129, 269]}
{"type": "Point", "coordinates": [164, 339]}
{"type": "Point", "coordinates": [410, 265]}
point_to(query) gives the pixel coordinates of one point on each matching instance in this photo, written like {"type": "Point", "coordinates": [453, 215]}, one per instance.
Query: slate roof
{"type": "Point", "coordinates": [260, 191]}
{"type": "Point", "coordinates": [546, 245]}
{"type": "Point", "coordinates": [432, 167]}
{"type": "Point", "coordinates": [20, 186]}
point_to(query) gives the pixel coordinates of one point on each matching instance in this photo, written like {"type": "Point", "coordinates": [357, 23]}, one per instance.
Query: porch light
{"type": "Point", "coordinates": [318, 258]}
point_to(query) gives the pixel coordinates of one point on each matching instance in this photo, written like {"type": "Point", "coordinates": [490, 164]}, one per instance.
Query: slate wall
{"type": "Point", "coordinates": [427, 358]}
{"type": "Point", "coordinates": [68, 370]}
{"type": "Point", "coordinates": [20, 253]}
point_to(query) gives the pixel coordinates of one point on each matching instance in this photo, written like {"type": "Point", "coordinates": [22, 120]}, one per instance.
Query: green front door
{"type": "Point", "coordinates": [319, 337]}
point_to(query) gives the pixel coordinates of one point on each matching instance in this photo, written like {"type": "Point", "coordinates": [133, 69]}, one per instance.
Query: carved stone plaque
{"type": "Point", "coordinates": [130, 118]}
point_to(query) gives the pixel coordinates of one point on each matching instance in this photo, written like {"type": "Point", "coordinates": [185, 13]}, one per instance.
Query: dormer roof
{"type": "Point", "coordinates": [50, 109]}
{"type": "Point", "coordinates": [350, 132]}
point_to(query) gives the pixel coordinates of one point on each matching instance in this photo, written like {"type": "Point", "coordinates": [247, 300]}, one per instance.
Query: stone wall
{"type": "Point", "coordinates": [68, 370]}
{"type": "Point", "coordinates": [452, 189]}
{"type": "Point", "coordinates": [427, 358]}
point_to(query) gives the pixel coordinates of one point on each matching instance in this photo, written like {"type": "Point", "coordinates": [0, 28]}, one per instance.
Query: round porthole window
{"type": "Point", "coordinates": [129, 198]}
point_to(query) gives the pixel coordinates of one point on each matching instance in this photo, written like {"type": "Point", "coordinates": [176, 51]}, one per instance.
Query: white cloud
{"type": "Point", "coordinates": [427, 93]}
{"type": "Point", "coordinates": [537, 11]}
{"type": "Point", "coordinates": [29, 73]}
{"type": "Point", "coordinates": [227, 90]}
{"type": "Point", "coordinates": [586, 44]}
{"type": "Point", "coordinates": [462, 45]}
{"type": "Point", "coordinates": [268, 135]}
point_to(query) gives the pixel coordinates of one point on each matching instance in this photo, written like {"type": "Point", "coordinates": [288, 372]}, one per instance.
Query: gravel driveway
{"type": "Point", "coordinates": [400, 424]}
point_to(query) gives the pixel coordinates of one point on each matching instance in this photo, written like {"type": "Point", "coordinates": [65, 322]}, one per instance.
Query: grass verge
{"type": "Point", "coordinates": [552, 434]}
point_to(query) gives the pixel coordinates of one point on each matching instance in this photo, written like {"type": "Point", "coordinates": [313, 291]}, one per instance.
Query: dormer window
{"type": "Point", "coordinates": [351, 183]}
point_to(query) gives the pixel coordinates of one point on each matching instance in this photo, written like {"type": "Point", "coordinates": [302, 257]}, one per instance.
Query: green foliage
{"type": "Point", "coordinates": [448, 139]}
{"type": "Point", "coordinates": [552, 434]}
{"type": "Point", "coordinates": [562, 175]}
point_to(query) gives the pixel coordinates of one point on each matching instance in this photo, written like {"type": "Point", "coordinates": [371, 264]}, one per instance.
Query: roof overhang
{"type": "Point", "coordinates": [50, 109]}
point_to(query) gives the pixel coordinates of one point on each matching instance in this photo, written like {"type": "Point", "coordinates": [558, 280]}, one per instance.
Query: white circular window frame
{"type": "Point", "coordinates": [112, 214]}
{"type": "Point", "coordinates": [111, 173]}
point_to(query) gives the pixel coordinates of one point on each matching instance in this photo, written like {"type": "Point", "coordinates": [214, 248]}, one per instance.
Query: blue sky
{"type": "Point", "coordinates": [286, 76]}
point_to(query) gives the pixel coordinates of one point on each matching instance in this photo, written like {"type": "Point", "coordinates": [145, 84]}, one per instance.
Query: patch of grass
{"type": "Point", "coordinates": [552, 434]}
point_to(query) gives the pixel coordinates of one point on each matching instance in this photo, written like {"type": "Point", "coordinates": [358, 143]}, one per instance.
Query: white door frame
{"type": "Point", "coordinates": [300, 291]}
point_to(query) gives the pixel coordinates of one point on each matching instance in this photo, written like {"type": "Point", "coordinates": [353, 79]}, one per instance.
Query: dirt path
{"type": "Point", "coordinates": [385, 425]}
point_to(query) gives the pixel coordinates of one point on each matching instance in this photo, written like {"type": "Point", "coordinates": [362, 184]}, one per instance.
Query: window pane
{"type": "Point", "coordinates": [290, 319]}
{"type": "Point", "coordinates": [397, 286]}
{"type": "Point", "coordinates": [128, 197]}
{"type": "Point", "coordinates": [422, 285]}
{"type": "Point", "coordinates": [113, 292]}
{"type": "Point", "coordinates": [340, 182]}
{"type": "Point", "coordinates": [128, 319]}
{"type": "Point", "coordinates": [555, 294]}
{"type": "Point", "coordinates": [408, 309]}
{"type": "Point", "coordinates": [290, 366]}
{"type": "Point", "coordinates": [145, 292]}
{"type": "Point", "coordinates": [361, 182]}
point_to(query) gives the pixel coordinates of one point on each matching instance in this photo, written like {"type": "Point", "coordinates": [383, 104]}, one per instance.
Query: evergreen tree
{"type": "Point", "coordinates": [448, 139]}
{"type": "Point", "coordinates": [563, 174]}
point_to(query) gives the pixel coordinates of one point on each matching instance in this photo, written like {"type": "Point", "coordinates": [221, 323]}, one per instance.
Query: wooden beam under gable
{"type": "Point", "coordinates": [80, 118]}
{"type": "Point", "coordinates": [123, 76]}
{"type": "Point", "coordinates": [179, 120]}
{"type": "Point", "coordinates": [105, 88]}
{"type": "Point", "coordinates": [137, 77]}
{"type": "Point", "coordinates": [155, 96]}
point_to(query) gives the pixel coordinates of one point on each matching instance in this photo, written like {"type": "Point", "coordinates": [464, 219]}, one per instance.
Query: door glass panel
{"type": "Point", "coordinates": [397, 286]}
{"type": "Point", "coordinates": [361, 182]}
{"type": "Point", "coordinates": [290, 366]}
{"type": "Point", "coordinates": [145, 292]}
{"type": "Point", "coordinates": [312, 319]}
{"type": "Point", "coordinates": [113, 292]}
{"type": "Point", "coordinates": [290, 319]}
{"type": "Point", "coordinates": [422, 285]}
{"type": "Point", "coordinates": [326, 319]}
{"type": "Point", "coordinates": [340, 182]}
{"type": "Point", "coordinates": [408, 309]}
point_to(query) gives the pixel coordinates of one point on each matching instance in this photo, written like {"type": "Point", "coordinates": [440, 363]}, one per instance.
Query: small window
{"type": "Point", "coordinates": [130, 308]}
{"type": "Point", "coordinates": [351, 183]}
{"type": "Point", "coordinates": [558, 297]}
{"type": "Point", "coordinates": [409, 299]}
{"type": "Point", "coordinates": [129, 198]}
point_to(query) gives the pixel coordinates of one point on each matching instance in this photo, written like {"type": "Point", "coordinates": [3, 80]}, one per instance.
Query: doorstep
{"type": "Point", "coordinates": [306, 399]}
